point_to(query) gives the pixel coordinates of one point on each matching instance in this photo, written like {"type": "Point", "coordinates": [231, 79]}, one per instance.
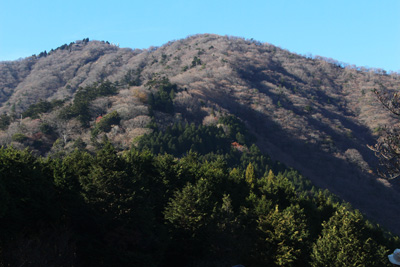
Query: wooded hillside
{"type": "Point", "coordinates": [314, 114]}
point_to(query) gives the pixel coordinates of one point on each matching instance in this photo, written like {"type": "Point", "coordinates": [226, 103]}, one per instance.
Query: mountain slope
{"type": "Point", "coordinates": [311, 113]}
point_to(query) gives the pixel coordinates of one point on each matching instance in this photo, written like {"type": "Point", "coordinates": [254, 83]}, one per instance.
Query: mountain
{"type": "Point", "coordinates": [311, 113]}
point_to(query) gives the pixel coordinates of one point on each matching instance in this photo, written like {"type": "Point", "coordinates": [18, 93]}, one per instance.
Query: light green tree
{"type": "Point", "coordinates": [346, 241]}
{"type": "Point", "coordinates": [250, 175]}
{"type": "Point", "coordinates": [284, 237]}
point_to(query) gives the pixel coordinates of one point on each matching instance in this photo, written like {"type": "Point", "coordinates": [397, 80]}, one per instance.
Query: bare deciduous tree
{"type": "Point", "coordinates": [387, 149]}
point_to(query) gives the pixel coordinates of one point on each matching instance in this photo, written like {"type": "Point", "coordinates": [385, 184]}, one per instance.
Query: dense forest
{"type": "Point", "coordinates": [199, 204]}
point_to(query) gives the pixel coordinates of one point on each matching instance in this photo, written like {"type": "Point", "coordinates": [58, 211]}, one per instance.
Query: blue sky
{"type": "Point", "coordinates": [364, 33]}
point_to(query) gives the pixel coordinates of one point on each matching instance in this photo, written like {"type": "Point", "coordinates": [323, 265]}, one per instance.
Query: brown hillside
{"type": "Point", "coordinates": [314, 114]}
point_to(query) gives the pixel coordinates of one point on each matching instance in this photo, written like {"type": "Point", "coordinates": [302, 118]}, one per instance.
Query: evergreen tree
{"type": "Point", "coordinates": [345, 241]}
{"type": "Point", "coordinates": [250, 175]}
{"type": "Point", "coordinates": [284, 236]}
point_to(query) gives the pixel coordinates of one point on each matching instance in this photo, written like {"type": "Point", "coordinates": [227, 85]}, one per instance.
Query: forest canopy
{"type": "Point", "coordinates": [136, 207]}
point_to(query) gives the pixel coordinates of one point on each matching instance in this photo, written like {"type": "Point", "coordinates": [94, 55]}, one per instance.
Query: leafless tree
{"type": "Point", "coordinates": [387, 149]}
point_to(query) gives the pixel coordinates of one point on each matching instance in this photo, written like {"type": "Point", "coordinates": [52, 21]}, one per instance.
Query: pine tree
{"type": "Point", "coordinates": [250, 175]}
{"type": "Point", "coordinates": [284, 236]}
{"type": "Point", "coordinates": [345, 241]}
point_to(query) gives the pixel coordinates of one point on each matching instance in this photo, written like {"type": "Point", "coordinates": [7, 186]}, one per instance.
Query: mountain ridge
{"type": "Point", "coordinates": [314, 115]}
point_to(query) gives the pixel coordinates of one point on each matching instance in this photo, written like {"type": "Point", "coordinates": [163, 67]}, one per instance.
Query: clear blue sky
{"type": "Point", "coordinates": [364, 33]}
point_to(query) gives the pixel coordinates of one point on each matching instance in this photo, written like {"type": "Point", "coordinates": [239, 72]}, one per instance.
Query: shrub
{"type": "Point", "coordinates": [80, 106]}
{"type": "Point", "coordinates": [46, 128]}
{"type": "Point", "coordinates": [19, 137]}
{"type": "Point", "coordinates": [5, 120]}
{"type": "Point", "coordinates": [105, 124]}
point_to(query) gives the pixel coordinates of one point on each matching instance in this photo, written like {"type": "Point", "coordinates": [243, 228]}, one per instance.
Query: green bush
{"type": "Point", "coordinates": [41, 107]}
{"type": "Point", "coordinates": [162, 99]}
{"type": "Point", "coordinates": [104, 125]}
{"type": "Point", "coordinates": [5, 120]}
{"type": "Point", "coordinates": [46, 128]}
{"type": "Point", "coordinates": [19, 137]}
{"type": "Point", "coordinates": [80, 107]}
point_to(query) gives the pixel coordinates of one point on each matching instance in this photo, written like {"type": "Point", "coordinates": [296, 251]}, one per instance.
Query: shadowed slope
{"type": "Point", "coordinates": [310, 114]}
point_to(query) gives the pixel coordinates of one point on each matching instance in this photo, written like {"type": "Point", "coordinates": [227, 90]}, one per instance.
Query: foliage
{"type": "Point", "coordinates": [46, 128]}
{"type": "Point", "coordinates": [80, 107]}
{"type": "Point", "coordinates": [244, 77]}
{"type": "Point", "coordinates": [250, 175]}
{"type": "Point", "coordinates": [105, 124]}
{"type": "Point", "coordinates": [189, 209]}
{"type": "Point", "coordinates": [209, 141]}
{"type": "Point", "coordinates": [29, 206]}
{"type": "Point", "coordinates": [5, 120]}
{"type": "Point", "coordinates": [196, 62]}
{"type": "Point", "coordinates": [181, 138]}
{"type": "Point", "coordinates": [237, 130]}
{"type": "Point", "coordinates": [133, 207]}
{"type": "Point", "coordinates": [284, 237]}
{"type": "Point", "coordinates": [345, 241]}
{"type": "Point", "coordinates": [162, 99]}
{"type": "Point", "coordinates": [19, 137]}
{"type": "Point", "coordinates": [41, 107]}
{"type": "Point", "coordinates": [132, 77]}
{"type": "Point", "coordinates": [215, 200]}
